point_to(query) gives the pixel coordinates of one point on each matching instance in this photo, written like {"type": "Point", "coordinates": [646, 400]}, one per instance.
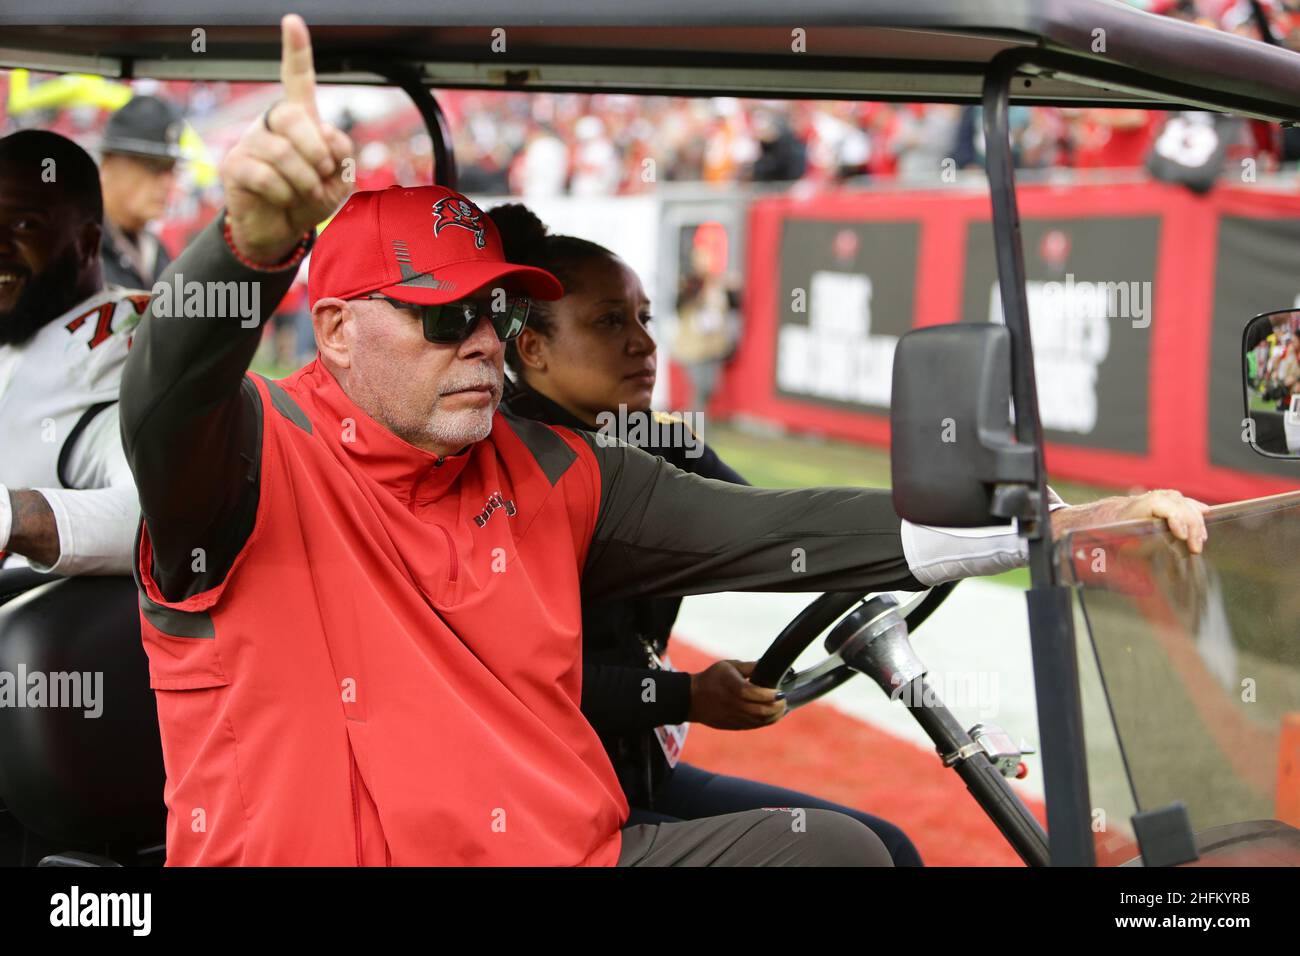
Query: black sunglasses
{"type": "Point", "coordinates": [453, 322]}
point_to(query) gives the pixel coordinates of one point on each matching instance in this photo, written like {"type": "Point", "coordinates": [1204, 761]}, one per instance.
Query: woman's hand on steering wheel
{"type": "Point", "coordinates": [722, 697]}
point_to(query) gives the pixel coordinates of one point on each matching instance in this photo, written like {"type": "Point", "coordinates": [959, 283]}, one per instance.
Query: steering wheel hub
{"type": "Point", "coordinates": [872, 638]}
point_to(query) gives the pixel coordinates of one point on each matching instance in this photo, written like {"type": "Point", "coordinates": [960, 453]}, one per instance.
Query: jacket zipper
{"type": "Point", "coordinates": [451, 550]}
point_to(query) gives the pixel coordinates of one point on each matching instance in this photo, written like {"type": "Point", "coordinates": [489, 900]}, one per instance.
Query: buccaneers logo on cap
{"type": "Point", "coordinates": [453, 211]}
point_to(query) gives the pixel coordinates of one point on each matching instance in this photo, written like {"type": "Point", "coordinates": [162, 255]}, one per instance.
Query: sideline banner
{"type": "Point", "coordinates": [1090, 285]}
{"type": "Point", "coordinates": [850, 290]}
{"type": "Point", "coordinates": [1138, 295]}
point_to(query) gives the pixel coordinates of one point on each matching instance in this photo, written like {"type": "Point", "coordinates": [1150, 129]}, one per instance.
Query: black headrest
{"type": "Point", "coordinates": [85, 780]}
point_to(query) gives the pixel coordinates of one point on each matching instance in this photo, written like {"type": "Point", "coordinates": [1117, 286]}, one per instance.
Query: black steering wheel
{"type": "Point", "coordinates": [776, 667]}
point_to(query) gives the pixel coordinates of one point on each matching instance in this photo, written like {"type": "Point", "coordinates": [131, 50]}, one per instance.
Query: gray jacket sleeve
{"type": "Point", "coordinates": [190, 429]}
{"type": "Point", "coordinates": [663, 531]}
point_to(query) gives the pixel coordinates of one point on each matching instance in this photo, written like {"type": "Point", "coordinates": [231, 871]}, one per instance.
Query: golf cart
{"type": "Point", "coordinates": [1183, 632]}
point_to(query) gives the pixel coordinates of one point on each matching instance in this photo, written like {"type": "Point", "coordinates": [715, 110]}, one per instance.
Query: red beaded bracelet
{"type": "Point", "coordinates": [299, 254]}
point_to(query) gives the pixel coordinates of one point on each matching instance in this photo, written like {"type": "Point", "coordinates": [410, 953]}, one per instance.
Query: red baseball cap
{"type": "Point", "coordinates": [423, 244]}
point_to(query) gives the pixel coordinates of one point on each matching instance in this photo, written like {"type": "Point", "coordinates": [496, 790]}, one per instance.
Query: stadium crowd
{"type": "Point", "coordinates": [550, 144]}
{"type": "Point", "coordinates": [543, 145]}
{"type": "Point", "coordinates": [540, 145]}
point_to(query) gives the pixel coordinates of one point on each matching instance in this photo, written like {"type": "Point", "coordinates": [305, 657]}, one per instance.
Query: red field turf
{"type": "Point", "coordinates": [821, 751]}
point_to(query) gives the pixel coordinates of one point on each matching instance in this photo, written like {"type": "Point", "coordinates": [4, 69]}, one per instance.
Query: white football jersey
{"type": "Point", "coordinates": [58, 418]}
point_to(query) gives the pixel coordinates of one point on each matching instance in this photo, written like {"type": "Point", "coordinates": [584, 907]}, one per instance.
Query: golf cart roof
{"type": "Point", "coordinates": [1102, 52]}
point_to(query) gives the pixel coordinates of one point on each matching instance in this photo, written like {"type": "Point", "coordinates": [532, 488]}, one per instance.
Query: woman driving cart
{"type": "Point", "coordinates": [589, 358]}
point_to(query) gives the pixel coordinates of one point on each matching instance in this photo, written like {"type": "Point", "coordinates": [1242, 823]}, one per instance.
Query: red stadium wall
{"type": "Point", "coordinates": [1167, 396]}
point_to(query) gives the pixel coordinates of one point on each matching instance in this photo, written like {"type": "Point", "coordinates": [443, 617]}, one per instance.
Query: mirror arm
{"type": "Point", "coordinates": [1013, 501]}
{"type": "Point", "coordinates": [1013, 481]}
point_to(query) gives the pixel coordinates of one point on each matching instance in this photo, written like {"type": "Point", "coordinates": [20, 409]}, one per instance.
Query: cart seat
{"type": "Point", "coordinates": [86, 774]}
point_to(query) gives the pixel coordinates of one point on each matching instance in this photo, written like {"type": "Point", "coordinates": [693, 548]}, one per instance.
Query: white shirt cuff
{"type": "Point", "coordinates": [935, 555]}
{"type": "Point", "coordinates": [96, 529]}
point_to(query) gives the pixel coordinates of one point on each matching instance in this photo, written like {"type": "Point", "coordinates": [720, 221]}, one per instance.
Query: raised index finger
{"type": "Point", "coordinates": [297, 71]}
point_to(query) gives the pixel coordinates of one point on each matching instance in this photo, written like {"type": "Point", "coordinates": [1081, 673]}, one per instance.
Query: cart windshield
{"type": "Point", "coordinates": [1192, 672]}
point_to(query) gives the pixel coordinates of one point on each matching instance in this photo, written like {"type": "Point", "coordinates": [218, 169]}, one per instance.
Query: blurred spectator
{"type": "Point", "coordinates": [1112, 139]}
{"type": "Point", "coordinates": [543, 167]}
{"type": "Point", "coordinates": [708, 328]}
{"type": "Point", "coordinates": [883, 123]}
{"type": "Point", "coordinates": [728, 148]}
{"type": "Point", "coordinates": [782, 157]}
{"type": "Point", "coordinates": [840, 147]}
{"type": "Point", "coordinates": [926, 137]}
{"type": "Point", "coordinates": [482, 158]}
{"type": "Point", "coordinates": [375, 166]}
{"type": "Point", "coordinates": [141, 147]}
{"type": "Point", "coordinates": [1044, 141]}
{"type": "Point", "coordinates": [596, 167]}
{"type": "Point", "coordinates": [968, 149]}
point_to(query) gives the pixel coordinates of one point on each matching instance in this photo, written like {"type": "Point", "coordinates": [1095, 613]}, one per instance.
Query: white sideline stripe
{"type": "Point", "coordinates": [981, 629]}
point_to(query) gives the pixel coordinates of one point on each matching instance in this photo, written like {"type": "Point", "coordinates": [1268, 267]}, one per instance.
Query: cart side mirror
{"type": "Point", "coordinates": [954, 456]}
{"type": "Point", "coordinates": [1270, 375]}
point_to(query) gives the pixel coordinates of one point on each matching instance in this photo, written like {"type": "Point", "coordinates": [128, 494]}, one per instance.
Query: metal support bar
{"type": "Point", "coordinates": [1051, 622]}
{"type": "Point", "coordinates": [410, 81]}
{"type": "Point", "coordinates": [989, 788]}
{"type": "Point", "coordinates": [1261, 23]}
{"type": "Point", "coordinates": [1060, 726]}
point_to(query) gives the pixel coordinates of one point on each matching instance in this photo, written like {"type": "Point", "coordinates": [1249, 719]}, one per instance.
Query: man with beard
{"type": "Point", "coordinates": [67, 499]}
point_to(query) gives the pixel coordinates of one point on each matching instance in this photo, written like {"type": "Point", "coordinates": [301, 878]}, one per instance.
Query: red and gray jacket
{"type": "Point", "coordinates": [364, 654]}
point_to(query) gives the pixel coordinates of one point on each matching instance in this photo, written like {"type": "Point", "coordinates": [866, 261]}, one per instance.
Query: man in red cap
{"type": "Point", "coordinates": [361, 585]}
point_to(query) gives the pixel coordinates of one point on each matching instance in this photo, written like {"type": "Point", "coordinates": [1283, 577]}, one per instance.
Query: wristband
{"type": "Point", "coordinates": [296, 257]}
{"type": "Point", "coordinates": [6, 517]}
